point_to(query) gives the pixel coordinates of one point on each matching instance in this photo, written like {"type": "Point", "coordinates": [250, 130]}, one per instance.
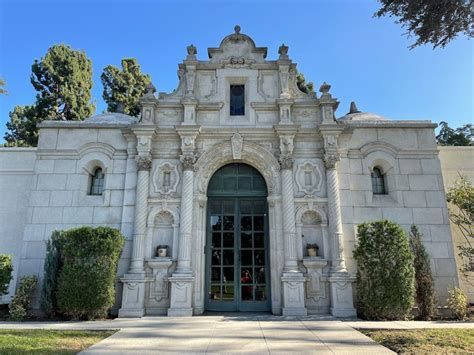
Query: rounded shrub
{"type": "Point", "coordinates": [6, 269]}
{"type": "Point", "coordinates": [20, 304]}
{"type": "Point", "coordinates": [86, 284]}
{"type": "Point", "coordinates": [385, 274]}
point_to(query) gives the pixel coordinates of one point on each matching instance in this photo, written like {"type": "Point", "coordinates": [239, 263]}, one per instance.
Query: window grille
{"type": "Point", "coordinates": [97, 182]}
{"type": "Point", "coordinates": [378, 183]}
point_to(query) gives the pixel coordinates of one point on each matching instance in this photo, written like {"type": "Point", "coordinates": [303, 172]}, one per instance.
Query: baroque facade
{"type": "Point", "coordinates": [236, 172]}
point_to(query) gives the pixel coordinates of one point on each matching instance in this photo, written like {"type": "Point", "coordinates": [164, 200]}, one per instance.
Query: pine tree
{"type": "Point", "coordinates": [124, 88]}
{"type": "Point", "coordinates": [52, 266]}
{"type": "Point", "coordinates": [424, 283]}
{"type": "Point", "coordinates": [63, 81]}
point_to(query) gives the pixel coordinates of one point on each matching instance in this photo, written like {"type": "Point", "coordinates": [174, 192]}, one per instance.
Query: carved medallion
{"type": "Point", "coordinates": [308, 178]}
{"type": "Point", "coordinates": [165, 178]}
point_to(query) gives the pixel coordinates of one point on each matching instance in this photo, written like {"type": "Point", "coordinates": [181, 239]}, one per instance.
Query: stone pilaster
{"type": "Point", "coordinates": [133, 295]}
{"type": "Point", "coordinates": [292, 278]}
{"type": "Point", "coordinates": [182, 281]}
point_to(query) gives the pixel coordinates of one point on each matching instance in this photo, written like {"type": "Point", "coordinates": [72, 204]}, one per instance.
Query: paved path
{"type": "Point", "coordinates": [236, 333]}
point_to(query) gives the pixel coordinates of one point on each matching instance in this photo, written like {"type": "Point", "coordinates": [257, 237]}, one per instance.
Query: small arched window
{"type": "Point", "coordinates": [378, 182]}
{"type": "Point", "coordinates": [97, 182]}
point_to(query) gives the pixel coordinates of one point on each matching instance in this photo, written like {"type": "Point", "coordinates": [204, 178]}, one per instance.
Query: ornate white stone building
{"type": "Point", "coordinates": [235, 171]}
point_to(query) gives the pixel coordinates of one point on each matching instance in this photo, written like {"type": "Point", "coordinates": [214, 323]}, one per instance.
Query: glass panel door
{"type": "Point", "coordinates": [236, 255]}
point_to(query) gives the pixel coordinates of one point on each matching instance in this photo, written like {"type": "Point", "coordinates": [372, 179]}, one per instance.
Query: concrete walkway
{"type": "Point", "coordinates": [236, 333]}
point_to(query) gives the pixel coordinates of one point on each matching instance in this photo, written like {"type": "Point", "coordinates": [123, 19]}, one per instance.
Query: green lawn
{"type": "Point", "coordinates": [425, 340]}
{"type": "Point", "coordinates": [41, 341]}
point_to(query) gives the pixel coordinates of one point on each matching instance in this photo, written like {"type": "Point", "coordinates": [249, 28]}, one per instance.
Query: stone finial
{"type": "Point", "coordinates": [324, 88]}
{"type": "Point", "coordinates": [192, 50]}
{"type": "Point", "coordinates": [283, 51]}
{"type": "Point", "coordinates": [237, 29]}
{"type": "Point", "coordinates": [353, 108]}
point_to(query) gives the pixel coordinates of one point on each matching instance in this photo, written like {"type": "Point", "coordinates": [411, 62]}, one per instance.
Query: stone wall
{"type": "Point", "coordinates": [455, 161]}
{"type": "Point", "coordinates": [16, 174]}
{"type": "Point", "coordinates": [409, 160]}
{"type": "Point", "coordinates": [59, 198]}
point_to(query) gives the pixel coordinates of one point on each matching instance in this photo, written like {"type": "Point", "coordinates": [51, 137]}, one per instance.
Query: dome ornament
{"type": "Point", "coordinates": [237, 29]}
{"type": "Point", "coordinates": [353, 108]}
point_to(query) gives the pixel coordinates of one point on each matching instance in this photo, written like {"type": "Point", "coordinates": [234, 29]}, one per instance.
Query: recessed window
{"type": "Point", "coordinates": [97, 182]}
{"type": "Point", "coordinates": [237, 100]}
{"type": "Point", "coordinates": [378, 182]}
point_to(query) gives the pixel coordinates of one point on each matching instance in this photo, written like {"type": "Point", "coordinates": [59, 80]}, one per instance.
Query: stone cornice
{"type": "Point", "coordinates": [389, 124]}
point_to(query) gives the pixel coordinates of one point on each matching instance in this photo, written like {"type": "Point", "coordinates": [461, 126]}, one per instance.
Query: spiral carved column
{"type": "Point", "coordinates": [141, 202]}
{"type": "Point", "coordinates": [288, 209]}
{"type": "Point", "coordinates": [334, 212]}
{"type": "Point", "coordinates": [186, 220]}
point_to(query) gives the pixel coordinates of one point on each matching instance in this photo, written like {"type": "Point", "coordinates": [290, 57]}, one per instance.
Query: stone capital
{"type": "Point", "coordinates": [286, 161]}
{"type": "Point", "coordinates": [143, 162]}
{"type": "Point", "coordinates": [330, 159]}
{"type": "Point", "coordinates": [188, 161]}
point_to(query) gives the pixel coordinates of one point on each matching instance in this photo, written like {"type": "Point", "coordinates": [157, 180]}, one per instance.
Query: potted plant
{"type": "Point", "coordinates": [162, 250]}
{"type": "Point", "coordinates": [312, 249]}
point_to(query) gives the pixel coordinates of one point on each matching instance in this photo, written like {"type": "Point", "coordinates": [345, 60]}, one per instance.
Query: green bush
{"type": "Point", "coordinates": [424, 283]}
{"type": "Point", "coordinates": [457, 302]}
{"type": "Point", "coordinates": [20, 304]}
{"type": "Point", "coordinates": [86, 284]}
{"type": "Point", "coordinates": [6, 269]}
{"type": "Point", "coordinates": [52, 267]}
{"type": "Point", "coordinates": [385, 275]}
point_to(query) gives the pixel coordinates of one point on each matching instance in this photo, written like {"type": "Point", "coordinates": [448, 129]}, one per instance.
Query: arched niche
{"type": "Point", "coordinates": [311, 228]}
{"type": "Point", "coordinates": [163, 229]}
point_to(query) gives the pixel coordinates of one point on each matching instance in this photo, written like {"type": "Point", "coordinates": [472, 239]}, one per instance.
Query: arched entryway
{"type": "Point", "coordinates": [237, 244]}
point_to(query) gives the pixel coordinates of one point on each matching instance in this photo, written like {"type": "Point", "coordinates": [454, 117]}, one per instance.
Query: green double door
{"type": "Point", "coordinates": [237, 257]}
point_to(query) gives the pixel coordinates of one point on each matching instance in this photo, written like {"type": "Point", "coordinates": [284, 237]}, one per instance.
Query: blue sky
{"type": "Point", "coordinates": [365, 59]}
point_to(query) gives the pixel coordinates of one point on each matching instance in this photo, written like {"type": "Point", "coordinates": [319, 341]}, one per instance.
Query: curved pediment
{"type": "Point", "coordinates": [237, 49]}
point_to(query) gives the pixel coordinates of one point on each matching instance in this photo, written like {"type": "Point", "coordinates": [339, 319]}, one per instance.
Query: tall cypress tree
{"type": "Point", "coordinates": [424, 283]}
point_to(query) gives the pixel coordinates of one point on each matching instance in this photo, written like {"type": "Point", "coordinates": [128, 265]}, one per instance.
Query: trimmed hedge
{"type": "Point", "coordinates": [21, 302]}
{"type": "Point", "coordinates": [86, 284]}
{"type": "Point", "coordinates": [6, 269]}
{"type": "Point", "coordinates": [385, 274]}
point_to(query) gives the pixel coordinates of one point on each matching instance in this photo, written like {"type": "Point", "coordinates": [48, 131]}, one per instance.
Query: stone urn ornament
{"type": "Point", "coordinates": [162, 251]}
{"type": "Point", "coordinates": [312, 249]}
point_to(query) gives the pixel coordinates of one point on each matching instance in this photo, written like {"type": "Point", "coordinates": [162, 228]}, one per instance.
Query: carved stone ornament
{"type": "Point", "coordinates": [143, 162]}
{"type": "Point", "coordinates": [286, 161]}
{"type": "Point", "coordinates": [283, 50]}
{"type": "Point", "coordinates": [308, 178]}
{"type": "Point", "coordinates": [192, 50]}
{"type": "Point", "coordinates": [330, 160]}
{"type": "Point", "coordinates": [188, 161]}
{"type": "Point", "coordinates": [237, 142]}
{"type": "Point", "coordinates": [330, 140]}
{"type": "Point", "coordinates": [165, 178]}
{"type": "Point", "coordinates": [237, 62]}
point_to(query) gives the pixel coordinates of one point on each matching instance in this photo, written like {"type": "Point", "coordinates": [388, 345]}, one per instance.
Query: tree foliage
{"type": "Point", "coordinates": [385, 274]}
{"type": "Point", "coordinates": [424, 282]}
{"type": "Point", "coordinates": [6, 269]}
{"type": "Point", "coordinates": [461, 136]}
{"type": "Point", "coordinates": [86, 284]}
{"type": "Point", "coordinates": [124, 88]}
{"type": "Point", "coordinates": [63, 81]}
{"type": "Point", "coordinates": [461, 213]}
{"type": "Point", "coordinates": [2, 86]}
{"type": "Point", "coordinates": [306, 87]}
{"type": "Point", "coordinates": [457, 302]}
{"type": "Point", "coordinates": [431, 21]}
